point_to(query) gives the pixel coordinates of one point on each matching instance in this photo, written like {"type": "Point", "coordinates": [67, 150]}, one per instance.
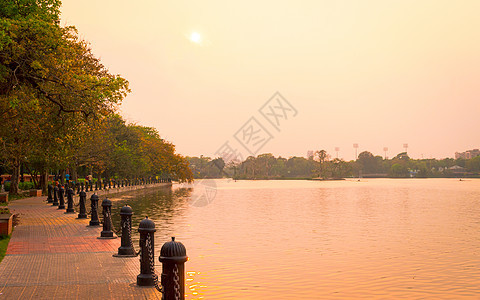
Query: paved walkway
{"type": "Point", "coordinates": [53, 255]}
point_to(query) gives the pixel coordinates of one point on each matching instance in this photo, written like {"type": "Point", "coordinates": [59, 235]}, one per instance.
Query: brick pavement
{"type": "Point", "coordinates": [53, 255]}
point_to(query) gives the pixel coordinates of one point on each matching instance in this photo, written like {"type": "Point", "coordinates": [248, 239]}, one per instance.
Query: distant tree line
{"type": "Point", "coordinates": [58, 105]}
{"type": "Point", "coordinates": [321, 166]}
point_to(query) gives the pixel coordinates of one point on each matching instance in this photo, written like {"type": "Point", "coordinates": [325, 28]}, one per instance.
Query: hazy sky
{"type": "Point", "coordinates": [376, 73]}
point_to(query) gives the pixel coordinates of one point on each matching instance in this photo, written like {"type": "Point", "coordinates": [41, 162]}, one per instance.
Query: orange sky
{"type": "Point", "coordinates": [376, 73]}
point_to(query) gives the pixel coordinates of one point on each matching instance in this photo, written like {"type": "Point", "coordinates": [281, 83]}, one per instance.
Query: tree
{"type": "Point", "coordinates": [473, 164]}
{"type": "Point", "coordinates": [51, 85]}
{"type": "Point", "coordinates": [369, 163]}
{"type": "Point", "coordinates": [322, 157]}
{"type": "Point", "coordinates": [220, 165]}
{"type": "Point", "coordinates": [398, 170]}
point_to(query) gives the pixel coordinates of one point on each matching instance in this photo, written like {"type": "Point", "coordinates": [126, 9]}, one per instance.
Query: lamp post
{"type": "Point", "coordinates": [356, 148]}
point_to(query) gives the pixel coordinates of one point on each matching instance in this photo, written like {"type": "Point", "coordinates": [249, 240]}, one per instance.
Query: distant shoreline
{"type": "Point", "coordinates": [340, 179]}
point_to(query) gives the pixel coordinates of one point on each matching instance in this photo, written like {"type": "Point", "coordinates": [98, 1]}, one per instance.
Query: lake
{"type": "Point", "coordinates": [376, 238]}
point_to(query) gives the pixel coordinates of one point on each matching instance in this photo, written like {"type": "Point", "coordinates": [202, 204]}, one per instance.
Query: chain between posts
{"type": "Point", "coordinates": [129, 229]}
{"type": "Point", "coordinates": [148, 244]}
{"type": "Point", "coordinates": [176, 280]}
{"type": "Point", "coordinates": [109, 216]}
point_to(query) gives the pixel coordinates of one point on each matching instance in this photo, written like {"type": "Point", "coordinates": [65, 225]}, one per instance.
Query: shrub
{"type": "Point", "coordinates": [26, 186]}
{"type": "Point", "coordinates": [21, 185]}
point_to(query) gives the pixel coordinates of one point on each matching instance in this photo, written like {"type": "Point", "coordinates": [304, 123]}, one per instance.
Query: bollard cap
{"type": "Point", "coordinates": [106, 202]}
{"type": "Point", "coordinates": [126, 210]}
{"type": "Point", "coordinates": [173, 252]}
{"type": "Point", "coordinates": [83, 194]}
{"type": "Point", "coordinates": [146, 225]}
{"type": "Point", "coordinates": [94, 197]}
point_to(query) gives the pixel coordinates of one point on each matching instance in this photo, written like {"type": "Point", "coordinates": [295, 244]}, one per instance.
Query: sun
{"type": "Point", "coordinates": [195, 37]}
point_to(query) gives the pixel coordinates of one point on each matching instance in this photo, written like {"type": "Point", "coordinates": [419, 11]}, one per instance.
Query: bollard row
{"type": "Point", "coordinates": [173, 254]}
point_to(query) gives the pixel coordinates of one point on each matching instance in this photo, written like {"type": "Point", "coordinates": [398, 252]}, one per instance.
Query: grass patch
{"type": "Point", "coordinates": [3, 245]}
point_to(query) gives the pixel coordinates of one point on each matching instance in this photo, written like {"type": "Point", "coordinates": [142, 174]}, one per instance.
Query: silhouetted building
{"type": "Point", "coordinates": [467, 154]}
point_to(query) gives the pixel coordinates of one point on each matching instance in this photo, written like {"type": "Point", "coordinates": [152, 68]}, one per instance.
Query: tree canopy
{"type": "Point", "coordinates": [267, 166]}
{"type": "Point", "coordinates": [57, 100]}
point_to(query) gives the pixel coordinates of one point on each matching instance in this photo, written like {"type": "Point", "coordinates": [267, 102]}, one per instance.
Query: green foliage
{"type": "Point", "coordinates": [21, 185]}
{"type": "Point", "coordinates": [116, 149]}
{"type": "Point", "coordinates": [3, 245]}
{"type": "Point", "coordinates": [58, 104]}
{"type": "Point", "coordinates": [205, 167]}
{"type": "Point", "coordinates": [48, 10]}
{"type": "Point", "coordinates": [473, 164]}
{"type": "Point", "coordinates": [370, 164]}
{"type": "Point", "coordinates": [398, 170]}
{"type": "Point", "coordinates": [266, 166]}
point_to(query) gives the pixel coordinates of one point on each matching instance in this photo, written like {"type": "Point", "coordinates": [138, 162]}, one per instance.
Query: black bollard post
{"type": "Point", "coordinates": [96, 185]}
{"type": "Point", "coordinates": [104, 185]}
{"type": "Point", "coordinates": [70, 209]}
{"type": "Point", "coordinates": [173, 256]}
{"type": "Point", "coordinates": [61, 193]}
{"type": "Point", "coordinates": [99, 184]}
{"type": "Point", "coordinates": [126, 249]}
{"type": "Point", "coordinates": [109, 184]}
{"type": "Point", "coordinates": [94, 212]}
{"type": "Point", "coordinates": [91, 186]}
{"type": "Point", "coordinates": [66, 190]}
{"type": "Point", "coordinates": [49, 194]}
{"type": "Point", "coordinates": [107, 232]}
{"type": "Point", "coordinates": [81, 186]}
{"type": "Point", "coordinates": [114, 181]}
{"type": "Point", "coordinates": [55, 196]}
{"type": "Point", "coordinates": [147, 276]}
{"type": "Point", "coordinates": [83, 210]}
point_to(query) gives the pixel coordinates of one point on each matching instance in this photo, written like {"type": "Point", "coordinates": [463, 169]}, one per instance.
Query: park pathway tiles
{"type": "Point", "coordinates": [53, 255]}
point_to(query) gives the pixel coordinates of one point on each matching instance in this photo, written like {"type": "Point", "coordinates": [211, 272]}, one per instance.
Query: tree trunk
{"type": "Point", "coordinates": [15, 177]}
{"type": "Point", "coordinates": [62, 176]}
{"type": "Point", "coordinates": [33, 177]}
{"type": "Point", "coordinates": [74, 174]}
{"type": "Point", "coordinates": [44, 181]}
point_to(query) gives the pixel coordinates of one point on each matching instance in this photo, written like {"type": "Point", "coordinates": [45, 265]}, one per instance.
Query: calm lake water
{"type": "Point", "coordinates": [377, 238]}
